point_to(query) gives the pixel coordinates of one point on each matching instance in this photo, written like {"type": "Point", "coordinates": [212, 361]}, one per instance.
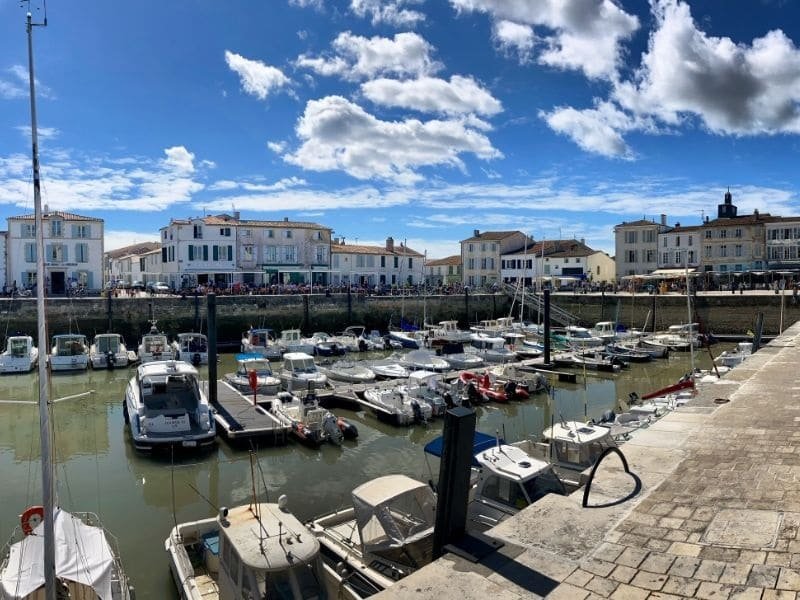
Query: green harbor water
{"type": "Point", "coordinates": [140, 497]}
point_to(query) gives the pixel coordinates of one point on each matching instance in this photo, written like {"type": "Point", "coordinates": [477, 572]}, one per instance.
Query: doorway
{"type": "Point", "coordinates": [57, 282]}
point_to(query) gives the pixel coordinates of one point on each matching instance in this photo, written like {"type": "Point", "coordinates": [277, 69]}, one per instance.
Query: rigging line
{"type": "Point", "coordinates": [172, 483]}
{"type": "Point", "coordinates": [209, 502]}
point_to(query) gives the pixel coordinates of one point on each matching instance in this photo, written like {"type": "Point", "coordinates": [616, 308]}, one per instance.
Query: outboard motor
{"type": "Point", "coordinates": [417, 410]}
{"type": "Point", "coordinates": [111, 359]}
{"type": "Point", "coordinates": [448, 399]}
{"type": "Point", "coordinates": [331, 428]}
{"type": "Point", "coordinates": [510, 389]}
{"type": "Point", "coordinates": [362, 345]}
{"type": "Point", "coordinates": [349, 430]}
{"type": "Point", "coordinates": [196, 359]}
{"type": "Point", "coordinates": [473, 395]}
{"type": "Point", "coordinates": [608, 417]}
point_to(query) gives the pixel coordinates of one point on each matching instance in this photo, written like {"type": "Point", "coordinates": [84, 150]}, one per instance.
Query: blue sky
{"type": "Point", "coordinates": [419, 119]}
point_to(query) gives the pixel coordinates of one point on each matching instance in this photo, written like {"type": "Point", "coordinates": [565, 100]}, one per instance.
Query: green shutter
{"type": "Point", "coordinates": [215, 253]}
{"type": "Point", "coordinates": [205, 252]}
{"type": "Point", "coordinates": [191, 252]}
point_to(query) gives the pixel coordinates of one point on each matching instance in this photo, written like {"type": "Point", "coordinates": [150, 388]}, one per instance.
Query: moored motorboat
{"type": "Point", "coordinates": [348, 371]}
{"type": "Point", "coordinates": [70, 352]}
{"type": "Point", "coordinates": [292, 340]}
{"type": "Point", "coordinates": [732, 358]}
{"type": "Point", "coordinates": [165, 406]}
{"type": "Point", "coordinates": [423, 360]}
{"type": "Point", "coordinates": [388, 368]}
{"type": "Point", "coordinates": [261, 341]}
{"type": "Point", "coordinates": [492, 348]}
{"type": "Point", "coordinates": [494, 390]}
{"type": "Point", "coordinates": [384, 536]}
{"type": "Point", "coordinates": [310, 423]}
{"type": "Point", "coordinates": [299, 372]}
{"type": "Point", "coordinates": [275, 555]}
{"type": "Point", "coordinates": [155, 346]}
{"type": "Point", "coordinates": [327, 345]}
{"type": "Point", "coordinates": [253, 366]}
{"type": "Point", "coordinates": [108, 351]}
{"type": "Point", "coordinates": [20, 355]}
{"type": "Point", "coordinates": [458, 359]}
{"type": "Point", "coordinates": [397, 407]}
{"type": "Point", "coordinates": [191, 347]}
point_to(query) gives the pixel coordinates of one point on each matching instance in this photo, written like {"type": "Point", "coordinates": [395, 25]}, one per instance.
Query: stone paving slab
{"type": "Point", "coordinates": [718, 515]}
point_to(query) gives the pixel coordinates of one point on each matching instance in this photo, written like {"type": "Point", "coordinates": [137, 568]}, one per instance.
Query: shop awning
{"type": "Point", "coordinates": [672, 272]}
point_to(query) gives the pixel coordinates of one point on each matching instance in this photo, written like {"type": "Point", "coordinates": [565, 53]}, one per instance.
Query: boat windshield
{"type": "Point", "coordinates": [19, 347]}
{"type": "Point", "coordinates": [301, 581]}
{"type": "Point", "coordinates": [303, 365]}
{"type": "Point", "coordinates": [543, 484]}
{"type": "Point", "coordinates": [107, 344]}
{"type": "Point", "coordinates": [261, 367]}
{"type": "Point", "coordinates": [581, 455]}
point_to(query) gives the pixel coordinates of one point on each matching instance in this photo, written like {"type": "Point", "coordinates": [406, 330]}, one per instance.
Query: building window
{"type": "Point", "coordinates": [493, 247]}
{"type": "Point", "coordinates": [290, 254]}
{"type": "Point", "coordinates": [56, 253]}
{"type": "Point", "coordinates": [648, 236]}
{"type": "Point", "coordinates": [689, 241]}
{"type": "Point", "coordinates": [723, 233]}
{"type": "Point", "coordinates": [410, 263]}
{"type": "Point", "coordinates": [225, 231]}
{"type": "Point", "coordinates": [691, 256]}
{"type": "Point", "coordinates": [198, 232]}
{"type": "Point", "coordinates": [723, 250]}
{"type": "Point", "coordinates": [651, 256]}
{"type": "Point", "coordinates": [396, 261]}
{"type": "Point", "coordinates": [678, 258]}
{"type": "Point", "coordinates": [82, 253]}
{"type": "Point", "coordinates": [664, 241]}
{"type": "Point", "coordinates": [270, 254]}
{"type": "Point", "coordinates": [738, 250]}
{"type": "Point", "coordinates": [383, 262]}
{"type": "Point", "coordinates": [30, 252]}
{"type": "Point", "coordinates": [318, 235]}
{"type": "Point", "coordinates": [247, 233]}
{"type": "Point", "coordinates": [270, 233]}
{"type": "Point", "coordinates": [737, 232]}
{"type": "Point", "coordinates": [631, 256]}
{"type": "Point", "coordinates": [359, 261]}
{"type": "Point", "coordinates": [630, 237]}
{"type": "Point", "coordinates": [28, 230]}
{"type": "Point", "coordinates": [708, 234]}
{"type": "Point", "coordinates": [707, 251]}
{"type": "Point", "coordinates": [83, 232]}
{"type": "Point", "coordinates": [470, 263]}
{"type": "Point", "coordinates": [665, 257]}
{"type": "Point", "coordinates": [470, 248]}
{"type": "Point", "coordinates": [56, 228]}
{"type": "Point", "coordinates": [677, 241]}
{"type": "Point", "coordinates": [287, 234]}
{"type": "Point", "coordinates": [247, 252]}
{"type": "Point", "coordinates": [322, 255]}
{"type": "Point", "coordinates": [164, 235]}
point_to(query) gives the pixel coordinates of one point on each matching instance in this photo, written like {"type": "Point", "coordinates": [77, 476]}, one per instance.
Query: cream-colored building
{"type": "Point", "coordinates": [370, 266]}
{"type": "Point", "coordinates": [129, 264]}
{"type": "Point", "coordinates": [636, 246]}
{"type": "Point", "coordinates": [733, 243]}
{"type": "Point", "coordinates": [480, 255]}
{"type": "Point", "coordinates": [443, 271]}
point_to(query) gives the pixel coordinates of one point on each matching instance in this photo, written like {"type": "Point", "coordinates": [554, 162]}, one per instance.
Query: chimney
{"type": "Point", "coordinates": [285, 219]}
{"type": "Point", "coordinates": [390, 244]}
{"type": "Point", "coordinates": [236, 215]}
{"type": "Point", "coordinates": [755, 213]}
{"type": "Point", "coordinates": [476, 232]}
{"type": "Point", "coordinates": [663, 219]}
{"type": "Point", "coordinates": [583, 241]}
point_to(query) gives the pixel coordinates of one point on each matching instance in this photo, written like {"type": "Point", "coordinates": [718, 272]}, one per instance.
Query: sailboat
{"type": "Point", "coordinates": [58, 554]}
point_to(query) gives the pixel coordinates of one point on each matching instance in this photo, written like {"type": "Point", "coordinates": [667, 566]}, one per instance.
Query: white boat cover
{"type": "Point", "coordinates": [82, 555]}
{"type": "Point", "coordinates": [393, 511]}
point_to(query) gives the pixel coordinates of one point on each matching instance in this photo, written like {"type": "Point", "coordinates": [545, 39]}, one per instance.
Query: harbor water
{"type": "Point", "coordinates": [140, 497]}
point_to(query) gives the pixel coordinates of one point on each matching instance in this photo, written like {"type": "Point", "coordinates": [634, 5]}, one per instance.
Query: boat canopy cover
{"type": "Point", "coordinates": [480, 442]}
{"type": "Point", "coordinates": [82, 555]}
{"type": "Point", "coordinates": [393, 511]}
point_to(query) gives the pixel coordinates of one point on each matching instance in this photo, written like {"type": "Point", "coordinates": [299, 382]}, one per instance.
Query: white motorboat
{"type": "Point", "coordinates": [681, 338]}
{"type": "Point", "coordinates": [580, 338]}
{"type": "Point", "coordinates": [155, 346]}
{"type": "Point", "coordinates": [108, 351]}
{"type": "Point", "coordinates": [299, 372]}
{"type": "Point", "coordinates": [572, 447]}
{"type": "Point", "coordinates": [530, 380]}
{"type": "Point", "coordinates": [292, 340]}
{"type": "Point", "coordinates": [399, 408]}
{"type": "Point", "coordinates": [492, 349]}
{"type": "Point", "coordinates": [388, 368]}
{"type": "Point", "coordinates": [505, 479]}
{"type": "Point", "coordinates": [732, 358]}
{"type": "Point", "coordinates": [348, 371]}
{"type": "Point", "coordinates": [424, 360]}
{"type": "Point", "coordinates": [20, 355]}
{"type": "Point", "coordinates": [310, 423]}
{"type": "Point", "coordinates": [375, 340]}
{"type": "Point", "coordinates": [254, 365]}
{"type": "Point", "coordinates": [447, 332]}
{"type": "Point", "coordinates": [610, 332]}
{"type": "Point", "coordinates": [385, 535]}
{"type": "Point", "coordinates": [165, 406]}
{"type": "Point", "coordinates": [55, 553]}
{"type": "Point", "coordinates": [70, 352]}
{"type": "Point", "coordinates": [354, 339]}
{"type": "Point", "coordinates": [458, 358]}
{"type": "Point", "coordinates": [261, 341]}
{"type": "Point", "coordinates": [192, 348]}
{"type": "Point", "coordinates": [429, 388]}
{"type": "Point", "coordinates": [327, 345]}
{"type": "Point", "coordinates": [404, 338]}
{"type": "Point", "coordinates": [258, 550]}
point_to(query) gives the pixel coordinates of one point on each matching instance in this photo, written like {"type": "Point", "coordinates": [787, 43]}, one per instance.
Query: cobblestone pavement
{"type": "Point", "coordinates": [718, 516]}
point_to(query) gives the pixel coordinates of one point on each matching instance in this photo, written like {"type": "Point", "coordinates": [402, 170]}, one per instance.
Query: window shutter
{"type": "Point", "coordinates": [205, 252]}
{"type": "Point", "coordinates": [191, 252]}
{"type": "Point", "coordinates": [215, 252]}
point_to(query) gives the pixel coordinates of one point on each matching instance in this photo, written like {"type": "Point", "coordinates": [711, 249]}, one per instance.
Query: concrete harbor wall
{"type": "Point", "coordinates": [720, 313]}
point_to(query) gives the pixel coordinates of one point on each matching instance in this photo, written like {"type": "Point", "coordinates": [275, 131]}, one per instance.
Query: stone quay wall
{"type": "Point", "coordinates": [130, 316]}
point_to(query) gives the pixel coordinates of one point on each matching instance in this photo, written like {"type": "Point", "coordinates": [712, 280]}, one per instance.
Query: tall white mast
{"type": "Point", "coordinates": [44, 401]}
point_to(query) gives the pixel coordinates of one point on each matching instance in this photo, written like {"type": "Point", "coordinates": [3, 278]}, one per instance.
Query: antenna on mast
{"type": "Point", "coordinates": [22, 3]}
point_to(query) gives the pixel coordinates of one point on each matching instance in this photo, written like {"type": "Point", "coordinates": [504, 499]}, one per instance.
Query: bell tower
{"type": "Point", "coordinates": [727, 210]}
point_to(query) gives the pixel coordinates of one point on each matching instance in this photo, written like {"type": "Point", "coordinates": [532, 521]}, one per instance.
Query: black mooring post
{"type": "Point", "coordinates": [306, 318]}
{"type": "Point", "coordinates": [196, 311]}
{"type": "Point", "coordinates": [547, 327]}
{"type": "Point", "coordinates": [349, 305]}
{"type": "Point", "coordinates": [108, 308]}
{"type": "Point", "coordinates": [453, 487]}
{"type": "Point", "coordinates": [212, 348]}
{"type": "Point", "coordinates": [466, 304]}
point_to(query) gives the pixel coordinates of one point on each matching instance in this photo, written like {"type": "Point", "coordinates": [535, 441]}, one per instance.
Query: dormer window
{"type": "Point", "coordinates": [56, 228]}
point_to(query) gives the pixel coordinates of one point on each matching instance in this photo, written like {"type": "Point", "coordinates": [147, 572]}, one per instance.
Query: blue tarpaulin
{"type": "Point", "coordinates": [480, 442]}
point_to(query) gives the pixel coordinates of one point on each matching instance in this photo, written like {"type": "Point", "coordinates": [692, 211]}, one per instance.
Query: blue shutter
{"type": "Point", "coordinates": [230, 252]}
{"type": "Point", "coordinates": [191, 252]}
{"type": "Point", "coordinates": [205, 252]}
{"type": "Point", "coordinates": [215, 252]}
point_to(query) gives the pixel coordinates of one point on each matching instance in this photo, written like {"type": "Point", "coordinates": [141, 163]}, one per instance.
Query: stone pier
{"type": "Point", "coordinates": [717, 516]}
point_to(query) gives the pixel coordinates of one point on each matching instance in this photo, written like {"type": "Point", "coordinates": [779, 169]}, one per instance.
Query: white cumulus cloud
{"type": "Point", "coordinates": [257, 78]}
{"type": "Point", "coordinates": [355, 57]}
{"type": "Point", "coordinates": [583, 35]}
{"type": "Point", "coordinates": [391, 12]}
{"type": "Point", "coordinates": [337, 134]}
{"type": "Point", "coordinates": [460, 95]}
{"type": "Point", "coordinates": [514, 38]}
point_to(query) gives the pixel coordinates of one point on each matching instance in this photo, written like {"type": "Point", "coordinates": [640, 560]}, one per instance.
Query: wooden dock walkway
{"type": "Point", "coordinates": [239, 420]}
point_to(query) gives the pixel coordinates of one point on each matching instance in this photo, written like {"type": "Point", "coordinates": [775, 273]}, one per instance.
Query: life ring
{"type": "Point", "coordinates": [31, 518]}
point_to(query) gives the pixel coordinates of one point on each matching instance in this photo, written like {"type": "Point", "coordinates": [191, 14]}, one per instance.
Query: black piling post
{"type": "Point", "coordinates": [212, 348]}
{"type": "Point", "coordinates": [654, 312]}
{"type": "Point", "coordinates": [602, 304]}
{"type": "Point", "coordinates": [109, 293]}
{"type": "Point", "coordinates": [306, 326]}
{"type": "Point", "coordinates": [466, 304]}
{"type": "Point", "coordinates": [196, 311]}
{"type": "Point", "coordinates": [453, 487]}
{"type": "Point", "coordinates": [547, 327]}
{"type": "Point", "coordinates": [349, 305]}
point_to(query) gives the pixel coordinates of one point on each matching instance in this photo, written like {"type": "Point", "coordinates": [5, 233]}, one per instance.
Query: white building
{"type": "Point", "coordinates": [4, 254]}
{"type": "Point", "coordinates": [73, 251]}
{"type": "Point", "coordinates": [680, 248]}
{"type": "Point", "coordinates": [783, 243]}
{"type": "Point", "coordinates": [520, 265]}
{"type": "Point", "coordinates": [225, 249]}
{"type": "Point", "coordinates": [636, 246]}
{"type": "Point", "coordinates": [480, 255]}
{"type": "Point", "coordinates": [368, 266]}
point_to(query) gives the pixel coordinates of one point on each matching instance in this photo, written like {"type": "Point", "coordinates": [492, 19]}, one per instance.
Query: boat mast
{"type": "Point", "coordinates": [691, 334]}
{"type": "Point", "coordinates": [44, 402]}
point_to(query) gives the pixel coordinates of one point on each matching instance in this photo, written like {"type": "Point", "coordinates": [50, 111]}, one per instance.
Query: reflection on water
{"type": "Point", "coordinates": [135, 493]}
